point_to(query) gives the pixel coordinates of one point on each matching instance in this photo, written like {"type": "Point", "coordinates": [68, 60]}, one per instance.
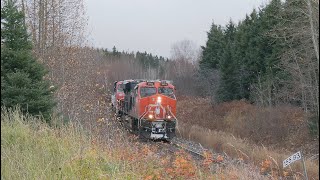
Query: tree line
{"type": "Point", "coordinates": [146, 59]}
{"type": "Point", "coordinates": [270, 57]}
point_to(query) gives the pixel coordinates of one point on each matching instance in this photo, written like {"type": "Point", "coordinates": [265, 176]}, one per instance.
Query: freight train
{"type": "Point", "coordinates": [147, 107]}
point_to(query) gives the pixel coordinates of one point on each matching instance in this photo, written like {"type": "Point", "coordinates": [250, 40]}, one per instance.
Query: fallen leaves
{"type": "Point", "coordinates": [219, 158]}
{"type": "Point", "coordinates": [182, 166]}
{"type": "Point", "coordinates": [265, 167]}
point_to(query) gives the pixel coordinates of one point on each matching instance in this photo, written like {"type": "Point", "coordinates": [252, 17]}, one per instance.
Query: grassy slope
{"type": "Point", "coordinates": [32, 150]}
{"type": "Point", "coordinates": [249, 133]}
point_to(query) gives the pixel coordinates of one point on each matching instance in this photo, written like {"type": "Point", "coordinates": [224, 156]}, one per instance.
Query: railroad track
{"type": "Point", "coordinates": [191, 147]}
{"type": "Point", "coordinates": [175, 144]}
{"type": "Point", "coordinates": [194, 149]}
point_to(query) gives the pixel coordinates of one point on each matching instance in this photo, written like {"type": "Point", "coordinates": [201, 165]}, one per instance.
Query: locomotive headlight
{"type": "Point", "coordinates": [159, 99]}
{"type": "Point", "coordinates": [150, 116]}
{"type": "Point", "coordinates": [169, 117]}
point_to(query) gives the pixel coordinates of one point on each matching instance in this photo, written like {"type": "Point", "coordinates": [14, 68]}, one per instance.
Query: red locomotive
{"type": "Point", "coordinates": [149, 107]}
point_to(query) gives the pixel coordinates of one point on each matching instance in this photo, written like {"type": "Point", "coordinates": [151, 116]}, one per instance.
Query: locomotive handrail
{"type": "Point", "coordinates": [145, 112]}
{"type": "Point", "coordinates": [171, 112]}
{"type": "Point", "coordinates": [164, 110]}
{"type": "Point", "coordinates": [149, 107]}
{"type": "Point", "coordinates": [175, 119]}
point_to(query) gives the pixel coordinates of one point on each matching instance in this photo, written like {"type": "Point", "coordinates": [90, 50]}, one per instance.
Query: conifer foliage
{"type": "Point", "coordinates": [245, 55]}
{"type": "Point", "coordinates": [271, 57]}
{"type": "Point", "coordinates": [22, 81]}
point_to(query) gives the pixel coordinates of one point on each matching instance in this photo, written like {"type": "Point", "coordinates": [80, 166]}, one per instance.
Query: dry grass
{"type": "Point", "coordinates": [32, 150]}
{"type": "Point", "coordinates": [280, 127]}
{"type": "Point", "coordinates": [236, 128]}
{"type": "Point", "coordinates": [243, 151]}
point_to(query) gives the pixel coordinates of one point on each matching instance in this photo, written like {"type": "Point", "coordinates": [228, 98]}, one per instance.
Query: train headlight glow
{"type": "Point", "coordinates": [169, 117]}
{"type": "Point", "coordinates": [159, 99]}
{"type": "Point", "coordinates": [150, 116]}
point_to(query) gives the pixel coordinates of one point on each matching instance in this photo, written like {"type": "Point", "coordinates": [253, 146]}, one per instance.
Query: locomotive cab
{"type": "Point", "coordinates": [149, 107]}
{"type": "Point", "coordinates": [156, 108]}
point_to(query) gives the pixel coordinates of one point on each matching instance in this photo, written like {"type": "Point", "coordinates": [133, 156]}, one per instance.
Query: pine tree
{"type": "Point", "coordinates": [115, 52]}
{"type": "Point", "coordinates": [271, 49]}
{"type": "Point", "coordinates": [212, 53]}
{"type": "Point", "coordinates": [22, 80]}
{"type": "Point", "coordinates": [228, 89]}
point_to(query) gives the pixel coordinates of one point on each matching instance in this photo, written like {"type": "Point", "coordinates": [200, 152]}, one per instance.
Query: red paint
{"type": "Point", "coordinates": [168, 104]}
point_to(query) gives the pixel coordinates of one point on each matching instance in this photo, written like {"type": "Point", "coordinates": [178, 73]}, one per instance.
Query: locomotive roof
{"type": "Point", "coordinates": [157, 83]}
{"type": "Point", "coordinates": [145, 80]}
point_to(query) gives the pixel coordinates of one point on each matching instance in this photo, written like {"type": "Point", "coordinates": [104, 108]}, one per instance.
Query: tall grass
{"type": "Point", "coordinates": [248, 133]}
{"type": "Point", "coordinates": [30, 149]}
{"type": "Point", "coordinates": [243, 151]}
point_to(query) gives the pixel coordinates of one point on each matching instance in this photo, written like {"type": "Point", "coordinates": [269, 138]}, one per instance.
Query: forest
{"type": "Point", "coordinates": [251, 91]}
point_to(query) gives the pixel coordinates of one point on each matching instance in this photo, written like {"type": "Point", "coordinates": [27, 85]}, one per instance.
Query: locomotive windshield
{"type": "Point", "coordinates": [166, 91]}
{"type": "Point", "coordinates": [120, 88]}
{"type": "Point", "coordinates": [147, 91]}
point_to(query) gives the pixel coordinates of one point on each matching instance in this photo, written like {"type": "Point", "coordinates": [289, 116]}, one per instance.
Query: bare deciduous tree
{"type": "Point", "coordinates": [58, 30]}
{"type": "Point", "coordinates": [185, 53]}
{"type": "Point", "coordinates": [300, 32]}
{"type": "Point", "coordinates": [55, 23]}
{"type": "Point", "coordinates": [184, 71]}
{"type": "Point", "coordinates": [185, 50]}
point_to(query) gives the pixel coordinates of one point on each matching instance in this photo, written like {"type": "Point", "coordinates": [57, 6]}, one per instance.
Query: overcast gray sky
{"type": "Point", "coordinates": [154, 25]}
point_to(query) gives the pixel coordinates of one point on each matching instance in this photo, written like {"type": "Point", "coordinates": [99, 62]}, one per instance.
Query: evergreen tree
{"type": "Point", "coordinates": [245, 54]}
{"type": "Point", "coordinates": [212, 53]}
{"type": "Point", "coordinates": [228, 89]}
{"type": "Point", "coordinates": [115, 52]}
{"type": "Point", "coordinates": [22, 80]}
{"type": "Point", "coordinates": [271, 49]}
